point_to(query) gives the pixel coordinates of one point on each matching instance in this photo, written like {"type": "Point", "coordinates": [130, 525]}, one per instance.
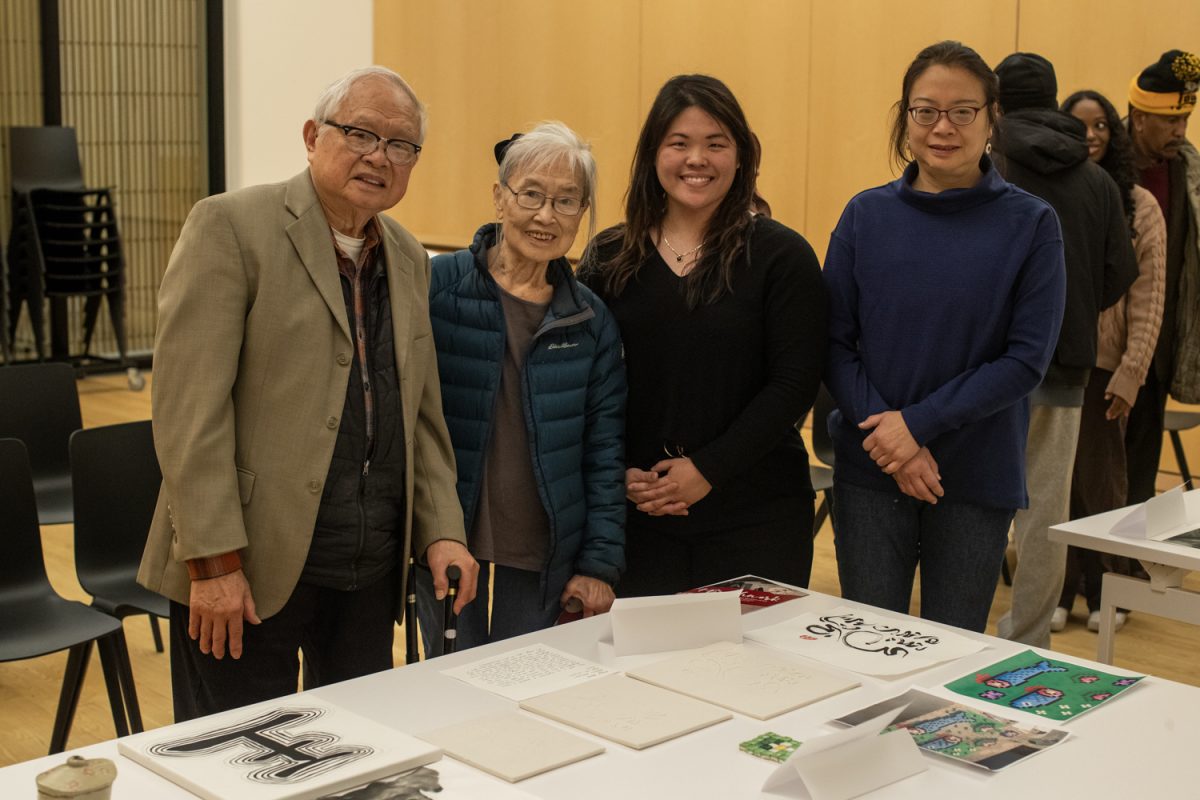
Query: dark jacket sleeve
{"type": "Point", "coordinates": [796, 316]}
{"type": "Point", "coordinates": [603, 552]}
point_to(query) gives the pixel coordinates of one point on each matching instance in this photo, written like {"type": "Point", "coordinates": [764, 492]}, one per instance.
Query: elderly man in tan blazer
{"type": "Point", "coordinates": [297, 417]}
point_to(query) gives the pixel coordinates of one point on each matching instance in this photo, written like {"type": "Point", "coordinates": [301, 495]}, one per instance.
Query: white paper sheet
{"type": "Point", "coordinates": [511, 745]}
{"type": "Point", "coordinates": [848, 763]}
{"type": "Point", "coordinates": [291, 748]}
{"type": "Point", "coordinates": [866, 641]}
{"type": "Point", "coordinates": [748, 680]}
{"type": "Point", "coordinates": [626, 711]}
{"type": "Point", "coordinates": [527, 672]}
{"type": "Point", "coordinates": [675, 622]}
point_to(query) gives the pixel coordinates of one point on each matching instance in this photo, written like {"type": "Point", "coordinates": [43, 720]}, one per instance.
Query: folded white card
{"type": "Point", "coordinates": [848, 763]}
{"type": "Point", "coordinates": [675, 622]}
{"type": "Point", "coordinates": [1160, 517]}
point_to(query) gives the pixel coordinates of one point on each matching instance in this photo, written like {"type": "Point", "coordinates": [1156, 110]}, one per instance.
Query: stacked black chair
{"type": "Point", "coordinates": [64, 242]}
{"type": "Point", "coordinates": [5, 339]}
{"type": "Point", "coordinates": [39, 404]}
{"type": "Point", "coordinates": [116, 478]}
{"type": "Point", "coordinates": [34, 619]}
{"type": "Point", "coordinates": [822, 445]}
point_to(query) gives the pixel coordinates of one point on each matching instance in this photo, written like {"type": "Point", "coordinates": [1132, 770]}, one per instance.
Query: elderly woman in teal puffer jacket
{"type": "Point", "coordinates": [533, 389]}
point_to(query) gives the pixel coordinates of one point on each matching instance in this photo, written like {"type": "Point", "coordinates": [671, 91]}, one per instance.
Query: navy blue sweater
{"type": "Point", "coordinates": [947, 308]}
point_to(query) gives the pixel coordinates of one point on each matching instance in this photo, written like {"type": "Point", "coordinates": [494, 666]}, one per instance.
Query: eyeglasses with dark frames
{"type": "Point", "coordinates": [400, 152]}
{"type": "Point", "coordinates": [533, 200]}
{"type": "Point", "coordinates": [929, 115]}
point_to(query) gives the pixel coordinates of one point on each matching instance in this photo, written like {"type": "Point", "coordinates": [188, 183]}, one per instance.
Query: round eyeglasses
{"type": "Point", "coordinates": [928, 115]}
{"type": "Point", "coordinates": [400, 152]}
{"type": "Point", "coordinates": [533, 200]}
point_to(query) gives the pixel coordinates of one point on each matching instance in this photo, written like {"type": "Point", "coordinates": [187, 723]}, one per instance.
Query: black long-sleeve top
{"type": "Point", "coordinates": [724, 383]}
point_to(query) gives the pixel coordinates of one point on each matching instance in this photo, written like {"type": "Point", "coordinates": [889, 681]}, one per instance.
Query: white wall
{"type": "Point", "coordinates": [279, 55]}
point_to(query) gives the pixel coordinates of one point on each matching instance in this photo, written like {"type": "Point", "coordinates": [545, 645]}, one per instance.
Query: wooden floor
{"type": "Point", "coordinates": [29, 689]}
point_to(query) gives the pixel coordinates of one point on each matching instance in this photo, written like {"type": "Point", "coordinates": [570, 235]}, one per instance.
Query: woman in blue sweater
{"type": "Point", "coordinates": [946, 295]}
{"type": "Point", "coordinates": [533, 389]}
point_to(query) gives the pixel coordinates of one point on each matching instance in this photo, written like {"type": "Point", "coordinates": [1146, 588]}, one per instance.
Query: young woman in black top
{"type": "Point", "coordinates": [723, 319]}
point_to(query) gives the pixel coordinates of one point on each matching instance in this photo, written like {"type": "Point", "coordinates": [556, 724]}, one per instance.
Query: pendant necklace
{"type": "Point", "coordinates": [679, 257]}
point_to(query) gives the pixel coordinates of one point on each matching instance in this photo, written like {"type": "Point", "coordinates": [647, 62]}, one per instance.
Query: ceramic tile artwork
{"type": "Point", "coordinates": [1042, 686]}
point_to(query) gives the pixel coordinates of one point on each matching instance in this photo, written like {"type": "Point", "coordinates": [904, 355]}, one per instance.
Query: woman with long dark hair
{"type": "Point", "coordinates": [946, 291]}
{"type": "Point", "coordinates": [723, 318]}
{"type": "Point", "coordinates": [1128, 333]}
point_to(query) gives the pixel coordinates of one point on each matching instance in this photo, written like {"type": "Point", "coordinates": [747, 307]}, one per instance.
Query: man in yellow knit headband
{"type": "Point", "coordinates": [1161, 99]}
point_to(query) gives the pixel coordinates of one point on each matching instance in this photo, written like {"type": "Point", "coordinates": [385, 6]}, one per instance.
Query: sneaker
{"type": "Point", "coordinates": [1058, 620]}
{"type": "Point", "coordinates": [1093, 622]}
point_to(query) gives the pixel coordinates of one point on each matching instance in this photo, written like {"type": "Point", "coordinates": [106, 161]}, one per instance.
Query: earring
{"type": "Point", "coordinates": [988, 148]}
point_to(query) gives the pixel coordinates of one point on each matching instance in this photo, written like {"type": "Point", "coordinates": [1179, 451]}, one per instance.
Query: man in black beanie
{"type": "Point", "coordinates": [1161, 99]}
{"type": "Point", "coordinates": [1044, 152]}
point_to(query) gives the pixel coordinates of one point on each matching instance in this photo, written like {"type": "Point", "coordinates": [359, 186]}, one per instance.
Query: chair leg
{"type": "Point", "coordinates": [156, 632]}
{"type": "Point", "coordinates": [820, 517]}
{"type": "Point", "coordinates": [110, 662]}
{"type": "Point", "coordinates": [128, 688]}
{"type": "Point", "coordinates": [68, 699]}
{"type": "Point", "coordinates": [91, 310]}
{"type": "Point", "coordinates": [1181, 457]}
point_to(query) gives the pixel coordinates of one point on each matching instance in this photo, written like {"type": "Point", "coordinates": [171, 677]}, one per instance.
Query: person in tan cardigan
{"type": "Point", "coordinates": [298, 417]}
{"type": "Point", "coordinates": [1128, 333]}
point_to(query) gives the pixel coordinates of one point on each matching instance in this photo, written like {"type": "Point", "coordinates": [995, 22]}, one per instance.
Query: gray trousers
{"type": "Point", "coordinates": [1037, 582]}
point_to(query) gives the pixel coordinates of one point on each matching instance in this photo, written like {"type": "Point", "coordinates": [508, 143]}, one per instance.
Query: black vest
{"type": "Point", "coordinates": [360, 523]}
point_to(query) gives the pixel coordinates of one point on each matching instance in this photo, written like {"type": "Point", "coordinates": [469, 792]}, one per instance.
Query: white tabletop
{"type": "Point", "coordinates": [1095, 533]}
{"type": "Point", "coordinates": [1140, 744]}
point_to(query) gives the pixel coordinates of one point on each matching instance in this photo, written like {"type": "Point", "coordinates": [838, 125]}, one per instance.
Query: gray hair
{"type": "Point", "coordinates": [336, 92]}
{"type": "Point", "coordinates": [547, 145]}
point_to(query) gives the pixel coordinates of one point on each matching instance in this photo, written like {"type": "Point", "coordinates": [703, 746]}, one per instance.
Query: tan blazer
{"type": "Point", "coordinates": [251, 361]}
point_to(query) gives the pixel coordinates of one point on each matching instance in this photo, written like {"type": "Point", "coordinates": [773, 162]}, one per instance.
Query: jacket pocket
{"type": "Point", "coordinates": [245, 484]}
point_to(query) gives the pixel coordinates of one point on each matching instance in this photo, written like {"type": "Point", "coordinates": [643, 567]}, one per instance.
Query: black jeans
{"type": "Point", "coordinates": [343, 635]}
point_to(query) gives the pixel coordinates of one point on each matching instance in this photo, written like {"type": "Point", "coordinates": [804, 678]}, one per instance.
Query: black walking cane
{"type": "Point", "coordinates": [450, 624]}
{"type": "Point", "coordinates": [411, 654]}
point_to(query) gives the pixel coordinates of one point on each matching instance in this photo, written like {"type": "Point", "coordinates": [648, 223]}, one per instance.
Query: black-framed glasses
{"type": "Point", "coordinates": [400, 152]}
{"type": "Point", "coordinates": [959, 115]}
{"type": "Point", "coordinates": [533, 200]}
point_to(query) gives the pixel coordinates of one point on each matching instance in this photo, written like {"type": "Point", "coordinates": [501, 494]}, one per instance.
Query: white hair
{"type": "Point", "coordinates": [549, 144]}
{"type": "Point", "coordinates": [336, 92]}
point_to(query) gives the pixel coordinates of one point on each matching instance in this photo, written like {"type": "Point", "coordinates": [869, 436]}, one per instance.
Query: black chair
{"type": "Point", "coordinates": [1173, 423]}
{"type": "Point", "coordinates": [822, 445]}
{"type": "Point", "coordinates": [34, 620]}
{"type": "Point", "coordinates": [39, 404]}
{"type": "Point", "coordinates": [5, 338]}
{"type": "Point", "coordinates": [116, 478]}
{"type": "Point", "coordinates": [65, 241]}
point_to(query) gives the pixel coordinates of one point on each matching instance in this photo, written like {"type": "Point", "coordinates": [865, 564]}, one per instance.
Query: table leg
{"type": "Point", "coordinates": [1108, 622]}
{"type": "Point", "coordinates": [1163, 596]}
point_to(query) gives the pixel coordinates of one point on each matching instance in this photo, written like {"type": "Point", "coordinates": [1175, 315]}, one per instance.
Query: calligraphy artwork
{"type": "Point", "coordinates": [277, 751]}
{"type": "Point", "coordinates": [866, 641]}
{"type": "Point", "coordinates": [1046, 687]}
{"type": "Point", "coordinates": [951, 730]}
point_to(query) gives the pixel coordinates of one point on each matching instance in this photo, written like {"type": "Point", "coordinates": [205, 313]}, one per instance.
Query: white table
{"type": "Point", "coordinates": [1142, 744]}
{"type": "Point", "coordinates": [1167, 565]}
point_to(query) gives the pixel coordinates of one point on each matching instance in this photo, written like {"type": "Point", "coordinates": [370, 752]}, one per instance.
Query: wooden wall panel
{"type": "Point", "coordinates": [1102, 44]}
{"type": "Point", "coordinates": [860, 49]}
{"type": "Point", "coordinates": [488, 69]}
{"type": "Point", "coordinates": [761, 51]}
